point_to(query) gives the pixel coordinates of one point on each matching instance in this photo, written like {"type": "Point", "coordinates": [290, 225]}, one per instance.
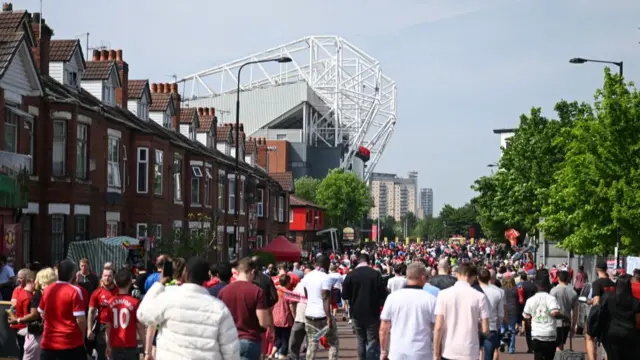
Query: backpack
{"type": "Point", "coordinates": [598, 319]}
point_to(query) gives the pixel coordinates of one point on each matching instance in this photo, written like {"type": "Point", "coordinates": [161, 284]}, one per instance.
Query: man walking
{"type": "Point", "coordinates": [496, 299]}
{"type": "Point", "coordinates": [443, 280]}
{"type": "Point", "coordinates": [568, 302]}
{"type": "Point", "coordinates": [408, 314]}
{"type": "Point", "coordinates": [364, 289]}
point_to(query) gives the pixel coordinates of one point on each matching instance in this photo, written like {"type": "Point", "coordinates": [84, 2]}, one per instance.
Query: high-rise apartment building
{"type": "Point", "coordinates": [393, 196]}
{"type": "Point", "coordinates": [426, 202]}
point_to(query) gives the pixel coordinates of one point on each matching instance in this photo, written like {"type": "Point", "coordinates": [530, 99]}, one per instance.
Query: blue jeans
{"type": "Point", "coordinates": [513, 321]}
{"type": "Point", "coordinates": [367, 340]}
{"type": "Point", "coordinates": [490, 344]}
{"type": "Point", "coordinates": [250, 350]}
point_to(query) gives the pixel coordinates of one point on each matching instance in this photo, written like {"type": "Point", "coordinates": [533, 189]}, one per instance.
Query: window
{"type": "Point", "coordinates": [143, 170]}
{"type": "Point", "coordinates": [195, 185]}
{"type": "Point", "coordinates": [81, 228]}
{"type": "Point", "coordinates": [157, 177]}
{"type": "Point", "coordinates": [141, 230]}
{"type": "Point", "coordinates": [281, 136]}
{"type": "Point", "coordinates": [177, 178]}
{"type": "Point", "coordinates": [71, 78]}
{"type": "Point", "coordinates": [221, 190]}
{"type": "Point", "coordinates": [108, 94]}
{"type": "Point", "coordinates": [112, 228]}
{"type": "Point", "coordinates": [192, 132]}
{"type": "Point", "coordinates": [291, 216]}
{"type": "Point", "coordinates": [157, 231]}
{"type": "Point", "coordinates": [11, 121]}
{"type": "Point", "coordinates": [241, 196]}
{"type": "Point", "coordinates": [260, 205]}
{"type": "Point", "coordinates": [143, 110]}
{"type": "Point", "coordinates": [166, 120]}
{"type": "Point", "coordinates": [232, 194]}
{"type": "Point", "coordinates": [259, 241]}
{"type": "Point", "coordinates": [113, 163]}
{"type": "Point", "coordinates": [281, 209]}
{"type": "Point", "coordinates": [125, 179]}
{"type": "Point", "coordinates": [57, 238]}
{"type": "Point", "coordinates": [26, 238]}
{"type": "Point", "coordinates": [31, 131]}
{"type": "Point", "coordinates": [82, 138]}
{"type": "Point", "coordinates": [59, 147]}
{"type": "Point", "coordinates": [207, 187]}
{"type": "Point", "coordinates": [274, 207]}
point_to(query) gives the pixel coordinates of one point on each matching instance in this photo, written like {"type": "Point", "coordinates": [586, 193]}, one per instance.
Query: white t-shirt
{"type": "Point", "coordinates": [539, 307]}
{"type": "Point", "coordinates": [396, 283]}
{"type": "Point", "coordinates": [315, 282]}
{"type": "Point", "coordinates": [336, 279]}
{"type": "Point", "coordinates": [412, 315]}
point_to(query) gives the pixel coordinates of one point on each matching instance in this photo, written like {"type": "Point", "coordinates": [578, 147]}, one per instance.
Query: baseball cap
{"type": "Point", "coordinates": [602, 265]}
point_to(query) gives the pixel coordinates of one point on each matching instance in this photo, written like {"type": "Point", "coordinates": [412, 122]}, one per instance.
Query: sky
{"type": "Point", "coordinates": [462, 67]}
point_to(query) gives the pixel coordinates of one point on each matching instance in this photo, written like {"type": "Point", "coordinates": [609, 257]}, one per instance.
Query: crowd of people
{"type": "Point", "coordinates": [441, 300]}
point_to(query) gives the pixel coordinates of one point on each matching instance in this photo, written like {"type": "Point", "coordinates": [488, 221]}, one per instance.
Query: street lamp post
{"type": "Point", "coordinates": [620, 66]}
{"type": "Point", "coordinates": [283, 59]}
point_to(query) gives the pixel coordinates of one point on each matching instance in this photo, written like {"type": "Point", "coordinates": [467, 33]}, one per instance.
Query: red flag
{"type": "Point", "coordinates": [512, 236]}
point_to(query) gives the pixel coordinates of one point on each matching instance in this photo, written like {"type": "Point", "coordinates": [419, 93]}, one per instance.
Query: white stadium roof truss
{"type": "Point", "coordinates": [360, 100]}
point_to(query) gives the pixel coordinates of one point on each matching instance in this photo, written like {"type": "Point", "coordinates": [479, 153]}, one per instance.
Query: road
{"type": "Point", "coordinates": [348, 346]}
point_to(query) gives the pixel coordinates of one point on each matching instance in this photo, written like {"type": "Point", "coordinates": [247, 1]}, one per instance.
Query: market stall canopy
{"type": "Point", "coordinates": [282, 249]}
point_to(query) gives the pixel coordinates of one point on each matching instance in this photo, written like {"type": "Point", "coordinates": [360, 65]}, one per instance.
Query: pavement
{"type": "Point", "coordinates": [348, 346]}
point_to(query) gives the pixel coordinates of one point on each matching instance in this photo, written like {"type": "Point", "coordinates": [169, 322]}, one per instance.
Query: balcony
{"type": "Point", "coordinates": [14, 170]}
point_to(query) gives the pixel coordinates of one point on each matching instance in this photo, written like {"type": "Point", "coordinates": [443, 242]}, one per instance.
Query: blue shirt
{"type": "Point", "coordinates": [152, 279]}
{"type": "Point", "coordinates": [215, 290]}
{"type": "Point", "coordinates": [431, 289]}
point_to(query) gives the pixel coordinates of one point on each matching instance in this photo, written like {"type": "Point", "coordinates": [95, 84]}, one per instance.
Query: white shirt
{"type": "Point", "coordinates": [301, 307]}
{"type": "Point", "coordinates": [396, 283]}
{"type": "Point", "coordinates": [496, 299]}
{"type": "Point", "coordinates": [539, 307]}
{"type": "Point", "coordinates": [315, 282]}
{"type": "Point", "coordinates": [411, 312]}
{"type": "Point", "coordinates": [336, 279]}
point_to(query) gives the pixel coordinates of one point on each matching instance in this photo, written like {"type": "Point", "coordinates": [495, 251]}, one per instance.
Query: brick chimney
{"type": "Point", "coordinates": [122, 93]}
{"type": "Point", "coordinates": [154, 88]}
{"type": "Point", "coordinates": [7, 7]}
{"type": "Point", "coordinates": [261, 153]}
{"type": "Point", "coordinates": [43, 40]}
{"type": "Point", "coordinates": [175, 96]}
{"type": "Point", "coordinates": [96, 55]}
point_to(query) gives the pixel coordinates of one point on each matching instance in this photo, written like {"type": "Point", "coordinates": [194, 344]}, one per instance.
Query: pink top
{"type": "Point", "coordinates": [462, 307]}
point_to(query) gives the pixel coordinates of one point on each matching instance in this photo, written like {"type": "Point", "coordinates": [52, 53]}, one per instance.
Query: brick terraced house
{"type": "Point", "coordinates": [102, 155]}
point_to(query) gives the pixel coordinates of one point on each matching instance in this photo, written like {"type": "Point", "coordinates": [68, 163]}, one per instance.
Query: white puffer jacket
{"type": "Point", "coordinates": [193, 324]}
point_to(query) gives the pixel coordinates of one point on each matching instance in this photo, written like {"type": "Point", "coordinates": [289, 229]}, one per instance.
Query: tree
{"type": "Point", "coordinates": [457, 220]}
{"type": "Point", "coordinates": [306, 188]}
{"type": "Point", "coordinates": [345, 197]}
{"type": "Point", "coordinates": [387, 226]}
{"type": "Point", "coordinates": [596, 193]}
{"type": "Point", "coordinates": [190, 242]}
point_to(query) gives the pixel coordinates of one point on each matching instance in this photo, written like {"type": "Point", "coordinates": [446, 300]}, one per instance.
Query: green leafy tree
{"type": "Point", "coordinates": [457, 220]}
{"type": "Point", "coordinates": [345, 197]}
{"type": "Point", "coordinates": [597, 191]}
{"type": "Point", "coordinates": [306, 188]}
{"type": "Point", "coordinates": [198, 241]}
{"type": "Point", "coordinates": [387, 226]}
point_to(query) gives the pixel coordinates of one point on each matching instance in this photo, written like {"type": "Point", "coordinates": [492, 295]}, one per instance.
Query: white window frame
{"type": "Point", "coordinates": [143, 229]}
{"type": "Point", "coordinates": [281, 209]}
{"type": "Point", "coordinates": [196, 174]}
{"type": "Point", "coordinates": [106, 93]}
{"type": "Point", "coordinates": [158, 172]}
{"type": "Point", "coordinates": [290, 215]}
{"type": "Point", "coordinates": [114, 181]}
{"type": "Point", "coordinates": [196, 171]}
{"type": "Point", "coordinates": [221, 175]}
{"type": "Point", "coordinates": [241, 192]}
{"type": "Point", "coordinates": [274, 200]}
{"type": "Point", "coordinates": [260, 203]}
{"type": "Point", "coordinates": [125, 179]}
{"type": "Point", "coordinates": [31, 133]}
{"type": "Point", "coordinates": [60, 140]}
{"type": "Point", "coordinates": [157, 233]}
{"type": "Point", "coordinates": [82, 147]}
{"type": "Point", "coordinates": [207, 187]}
{"type": "Point", "coordinates": [231, 188]}
{"type": "Point", "coordinates": [11, 120]}
{"type": "Point", "coordinates": [177, 178]}
{"type": "Point", "coordinates": [259, 241]}
{"type": "Point", "coordinates": [143, 110]}
{"type": "Point", "coordinates": [146, 171]}
{"type": "Point", "coordinates": [112, 228]}
{"type": "Point", "coordinates": [166, 119]}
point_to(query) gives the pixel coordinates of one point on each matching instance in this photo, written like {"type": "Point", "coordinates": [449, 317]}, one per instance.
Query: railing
{"type": "Point", "coordinates": [12, 164]}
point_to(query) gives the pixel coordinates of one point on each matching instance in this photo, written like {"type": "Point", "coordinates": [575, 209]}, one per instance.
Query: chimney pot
{"type": "Point", "coordinates": [104, 55]}
{"type": "Point", "coordinates": [200, 111]}
{"type": "Point", "coordinates": [174, 88]}
{"type": "Point", "coordinates": [119, 55]}
{"type": "Point", "coordinates": [96, 55]}
{"type": "Point", "coordinates": [206, 111]}
{"type": "Point", "coordinates": [7, 7]}
{"type": "Point", "coordinates": [112, 55]}
{"type": "Point", "coordinates": [154, 87]}
{"type": "Point", "coordinates": [212, 111]}
{"type": "Point", "coordinates": [167, 88]}
{"type": "Point", "coordinates": [161, 87]}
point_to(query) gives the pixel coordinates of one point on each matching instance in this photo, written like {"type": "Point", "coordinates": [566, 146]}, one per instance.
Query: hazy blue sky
{"type": "Point", "coordinates": [462, 67]}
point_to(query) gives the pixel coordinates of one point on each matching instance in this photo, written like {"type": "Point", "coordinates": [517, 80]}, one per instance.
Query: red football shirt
{"type": "Point", "coordinates": [60, 305]}
{"type": "Point", "coordinates": [23, 302]}
{"type": "Point", "coordinates": [122, 317]}
{"type": "Point", "coordinates": [635, 289]}
{"type": "Point", "coordinates": [100, 300]}
{"type": "Point", "coordinates": [16, 292]}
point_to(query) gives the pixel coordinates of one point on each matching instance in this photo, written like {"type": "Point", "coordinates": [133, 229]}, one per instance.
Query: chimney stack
{"type": "Point", "coordinates": [7, 7]}
{"type": "Point", "coordinates": [161, 88]}
{"type": "Point", "coordinates": [119, 55]}
{"type": "Point", "coordinates": [112, 55]}
{"type": "Point", "coordinates": [42, 33]}
{"type": "Point", "coordinates": [212, 111]}
{"type": "Point", "coordinates": [205, 111]}
{"type": "Point", "coordinates": [154, 88]}
{"type": "Point", "coordinates": [96, 55]}
{"type": "Point", "coordinates": [122, 93]}
{"type": "Point", "coordinates": [172, 88]}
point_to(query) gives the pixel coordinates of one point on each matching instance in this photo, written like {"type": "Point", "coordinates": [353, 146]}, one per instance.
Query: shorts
{"type": "Point", "coordinates": [562, 333]}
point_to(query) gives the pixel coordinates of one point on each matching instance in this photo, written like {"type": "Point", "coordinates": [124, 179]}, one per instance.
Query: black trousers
{"type": "Point", "coordinates": [527, 334]}
{"type": "Point", "coordinates": [20, 340]}
{"type": "Point", "coordinates": [70, 354]}
{"type": "Point", "coordinates": [544, 350]}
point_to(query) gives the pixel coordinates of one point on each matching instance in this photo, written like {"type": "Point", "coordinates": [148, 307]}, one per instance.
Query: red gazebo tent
{"type": "Point", "coordinates": [282, 249]}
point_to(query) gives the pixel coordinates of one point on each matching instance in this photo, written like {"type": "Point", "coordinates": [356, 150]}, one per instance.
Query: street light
{"type": "Point", "coordinates": [281, 60]}
{"type": "Point", "coordinates": [619, 64]}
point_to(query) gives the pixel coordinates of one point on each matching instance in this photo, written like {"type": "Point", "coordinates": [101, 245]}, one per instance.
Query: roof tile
{"type": "Point", "coordinates": [250, 146]}
{"type": "Point", "coordinates": [285, 179]}
{"type": "Point", "coordinates": [98, 70]}
{"type": "Point", "coordinates": [136, 88]}
{"type": "Point", "coordinates": [62, 50]}
{"type": "Point", "coordinates": [296, 201]}
{"type": "Point", "coordinates": [12, 20]}
{"type": "Point", "coordinates": [187, 115]}
{"type": "Point", "coordinates": [159, 101]}
{"type": "Point", "coordinates": [9, 44]}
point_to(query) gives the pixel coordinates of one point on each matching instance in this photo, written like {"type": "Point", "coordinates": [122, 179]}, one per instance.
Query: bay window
{"type": "Point", "coordinates": [82, 139]}
{"type": "Point", "coordinates": [207, 187]}
{"type": "Point", "coordinates": [59, 153]}
{"type": "Point", "coordinates": [157, 173]}
{"type": "Point", "coordinates": [143, 170]}
{"type": "Point", "coordinates": [113, 163]}
{"type": "Point", "coordinates": [177, 178]}
{"type": "Point", "coordinates": [281, 209]}
{"type": "Point", "coordinates": [232, 194]}
{"type": "Point", "coordinates": [221, 175]}
{"type": "Point", "coordinates": [196, 174]}
{"type": "Point", "coordinates": [11, 121]}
